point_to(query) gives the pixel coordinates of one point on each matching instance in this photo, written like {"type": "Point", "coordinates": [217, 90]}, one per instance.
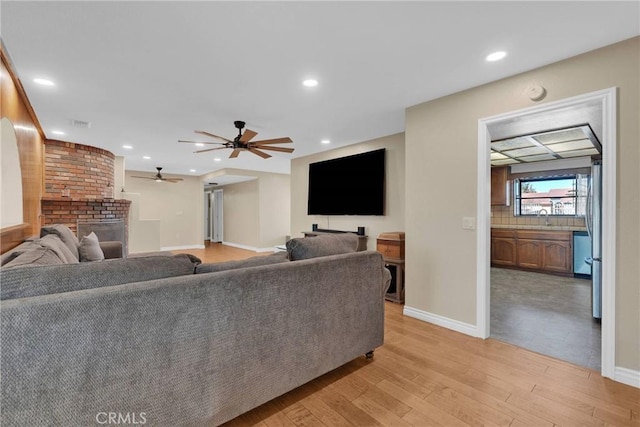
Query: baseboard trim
{"type": "Point", "coordinates": [445, 322]}
{"type": "Point", "coordinates": [180, 248]}
{"type": "Point", "coordinates": [627, 376]}
{"type": "Point", "coordinates": [248, 248]}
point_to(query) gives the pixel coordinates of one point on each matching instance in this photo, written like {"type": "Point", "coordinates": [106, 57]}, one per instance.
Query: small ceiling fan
{"type": "Point", "coordinates": [158, 177]}
{"type": "Point", "coordinates": [243, 142]}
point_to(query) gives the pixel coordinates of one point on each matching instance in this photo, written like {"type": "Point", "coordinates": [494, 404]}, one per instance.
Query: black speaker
{"type": "Point", "coordinates": [360, 231]}
{"type": "Point", "coordinates": [314, 227]}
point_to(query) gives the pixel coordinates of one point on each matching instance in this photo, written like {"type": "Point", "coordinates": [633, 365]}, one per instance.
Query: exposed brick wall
{"type": "Point", "coordinates": [87, 172]}
{"type": "Point", "coordinates": [70, 211]}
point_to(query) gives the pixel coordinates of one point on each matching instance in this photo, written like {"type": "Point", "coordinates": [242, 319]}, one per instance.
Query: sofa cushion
{"type": "Point", "coordinates": [321, 245]}
{"type": "Point", "coordinates": [89, 248]}
{"type": "Point", "coordinates": [53, 242]}
{"type": "Point", "coordinates": [65, 234]}
{"type": "Point", "coordinates": [36, 257]}
{"type": "Point", "coordinates": [13, 253]}
{"type": "Point", "coordinates": [51, 279]}
{"type": "Point", "coordinates": [256, 261]}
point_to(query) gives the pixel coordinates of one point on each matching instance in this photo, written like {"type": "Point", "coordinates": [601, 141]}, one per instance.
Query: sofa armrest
{"type": "Point", "coordinates": [111, 249]}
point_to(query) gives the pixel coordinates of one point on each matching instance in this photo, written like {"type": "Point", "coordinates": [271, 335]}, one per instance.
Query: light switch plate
{"type": "Point", "coordinates": [468, 223]}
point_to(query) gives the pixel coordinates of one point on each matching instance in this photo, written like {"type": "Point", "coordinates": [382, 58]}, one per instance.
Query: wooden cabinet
{"type": "Point", "coordinates": [503, 248]}
{"type": "Point", "coordinates": [536, 250]}
{"type": "Point", "coordinates": [499, 191]}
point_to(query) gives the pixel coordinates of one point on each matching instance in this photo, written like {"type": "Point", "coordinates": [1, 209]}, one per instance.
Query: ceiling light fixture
{"type": "Point", "coordinates": [325, 141]}
{"type": "Point", "coordinates": [310, 83]}
{"type": "Point", "coordinates": [496, 56]}
{"type": "Point", "coordinates": [146, 157]}
{"type": "Point", "coordinates": [199, 144]}
{"type": "Point", "coordinates": [192, 170]}
{"type": "Point", "coordinates": [57, 132]}
{"type": "Point", "coordinates": [43, 82]}
{"type": "Point", "coordinates": [127, 147]}
{"type": "Point", "coordinates": [217, 159]}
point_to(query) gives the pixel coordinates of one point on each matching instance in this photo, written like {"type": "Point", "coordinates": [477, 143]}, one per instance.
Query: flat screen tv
{"type": "Point", "coordinates": [352, 185]}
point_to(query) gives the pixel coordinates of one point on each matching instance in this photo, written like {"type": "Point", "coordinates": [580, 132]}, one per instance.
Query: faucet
{"type": "Point", "coordinates": [546, 216]}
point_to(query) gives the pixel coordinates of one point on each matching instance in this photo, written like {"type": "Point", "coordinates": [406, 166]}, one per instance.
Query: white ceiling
{"type": "Point", "coordinates": [149, 73]}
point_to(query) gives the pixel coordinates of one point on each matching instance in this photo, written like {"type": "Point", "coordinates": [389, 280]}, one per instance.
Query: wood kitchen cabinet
{"type": "Point", "coordinates": [499, 179]}
{"type": "Point", "coordinates": [534, 250]}
{"type": "Point", "coordinates": [503, 248]}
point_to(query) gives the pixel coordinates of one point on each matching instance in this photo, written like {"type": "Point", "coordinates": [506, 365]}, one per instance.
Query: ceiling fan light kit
{"type": "Point", "coordinates": [242, 142]}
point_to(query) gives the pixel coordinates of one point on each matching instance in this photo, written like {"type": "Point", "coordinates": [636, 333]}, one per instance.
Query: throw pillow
{"type": "Point", "coordinates": [89, 248]}
{"type": "Point", "coordinates": [53, 242]}
{"type": "Point", "coordinates": [33, 258]}
{"type": "Point", "coordinates": [65, 234]}
{"type": "Point", "coordinates": [321, 245]}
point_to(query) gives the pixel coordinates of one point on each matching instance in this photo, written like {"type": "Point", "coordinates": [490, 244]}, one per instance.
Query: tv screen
{"type": "Point", "coordinates": [352, 185]}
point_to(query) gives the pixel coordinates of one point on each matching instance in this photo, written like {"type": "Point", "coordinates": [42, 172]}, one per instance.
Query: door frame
{"type": "Point", "coordinates": [216, 219]}
{"type": "Point", "coordinates": [608, 102]}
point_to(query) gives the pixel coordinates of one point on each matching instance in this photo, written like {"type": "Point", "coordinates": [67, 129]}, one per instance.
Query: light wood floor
{"type": "Point", "coordinates": [425, 375]}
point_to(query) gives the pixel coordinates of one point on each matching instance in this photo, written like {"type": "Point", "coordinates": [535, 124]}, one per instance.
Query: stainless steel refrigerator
{"type": "Point", "coordinates": [594, 227]}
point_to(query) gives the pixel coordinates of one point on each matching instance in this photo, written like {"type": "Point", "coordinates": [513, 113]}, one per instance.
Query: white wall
{"type": "Point", "coordinates": [178, 207]}
{"type": "Point", "coordinates": [393, 219]}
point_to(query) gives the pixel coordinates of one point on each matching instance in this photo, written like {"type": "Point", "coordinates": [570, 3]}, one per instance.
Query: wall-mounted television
{"type": "Point", "coordinates": [352, 185]}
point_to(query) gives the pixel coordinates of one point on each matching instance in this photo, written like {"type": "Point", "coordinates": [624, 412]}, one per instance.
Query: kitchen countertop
{"type": "Point", "coordinates": [540, 227]}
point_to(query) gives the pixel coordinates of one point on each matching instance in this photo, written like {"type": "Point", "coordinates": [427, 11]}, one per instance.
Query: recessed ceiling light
{"type": "Point", "coordinates": [496, 56]}
{"type": "Point", "coordinates": [146, 157]}
{"type": "Point", "coordinates": [192, 170]}
{"type": "Point", "coordinates": [310, 83]}
{"type": "Point", "coordinates": [199, 144]}
{"type": "Point", "coordinates": [325, 141]}
{"type": "Point", "coordinates": [43, 82]}
{"type": "Point", "coordinates": [217, 159]}
{"type": "Point", "coordinates": [127, 147]}
{"type": "Point", "coordinates": [57, 132]}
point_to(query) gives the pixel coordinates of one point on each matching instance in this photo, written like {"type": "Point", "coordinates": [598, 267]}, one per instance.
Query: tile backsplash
{"type": "Point", "coordinates": [503, 215]}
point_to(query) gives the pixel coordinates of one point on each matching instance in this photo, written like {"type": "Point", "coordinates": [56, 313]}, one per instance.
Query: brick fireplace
{"type": "Point", "coordinates": [79, 186]}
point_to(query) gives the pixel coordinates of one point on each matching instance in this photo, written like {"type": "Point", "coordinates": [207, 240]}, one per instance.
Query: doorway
{"type": "Point", "coordinates": [572, 111]}
{"type": "Point", "coordinates": [213, 215]}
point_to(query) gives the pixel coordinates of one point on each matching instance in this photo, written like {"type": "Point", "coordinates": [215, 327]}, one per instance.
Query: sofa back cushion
{"type": "Point", "coordinates": [256, 261]}
{"type": "Point", "coordinates": [52, 279]}
{"type": "Point", "coordinates": [65, 234]}
{"type": "Point", "coordinates": [321, 245]}
{"type": "Point", "coordinates": [36, 257]}
{"type": "Point", "coordinates": [53, 242]}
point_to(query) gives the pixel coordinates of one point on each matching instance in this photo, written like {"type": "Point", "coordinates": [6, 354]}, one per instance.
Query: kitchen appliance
{"type": "Point", "coordinates": [594, 228]}
{"type": "Point", "coordinates": [581, 251]}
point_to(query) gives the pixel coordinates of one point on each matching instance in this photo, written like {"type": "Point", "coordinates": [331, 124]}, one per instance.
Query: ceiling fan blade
{"type": "Point", "coordinates": [247, 135]}
{"type": "Point", "coordinates": [268, 147]}
{"type": "Point", "coordinates": [172, 180]}
{"type": "Point", "coordinates": [235, 153]}
{"type": "Point", "coordinates": [142, 177]}
{"type": "Point", "coordinates": [260, 153]}
{"type": "Point", "coordinates": [285, 140]}
{"type": "Point", "coordinates": [201, 132]}
{"type": "Point", "coordinates": [210, 149]}
{"type": "Point", "coordinates": [201, 142]}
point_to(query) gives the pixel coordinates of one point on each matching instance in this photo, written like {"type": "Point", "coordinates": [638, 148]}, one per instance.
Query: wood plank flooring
{"type": "Point", "coordinates": [425, 375]}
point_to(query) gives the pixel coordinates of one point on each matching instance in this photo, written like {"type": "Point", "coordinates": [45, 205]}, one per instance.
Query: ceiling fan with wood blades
{"type": "Point", "coordinates": [243, 142]}
{"type": "Point", "coordinates": [158, 177]}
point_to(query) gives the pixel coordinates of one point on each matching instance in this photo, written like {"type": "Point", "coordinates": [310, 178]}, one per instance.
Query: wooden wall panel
{"type": "Point", "coordinates": [15, 106]}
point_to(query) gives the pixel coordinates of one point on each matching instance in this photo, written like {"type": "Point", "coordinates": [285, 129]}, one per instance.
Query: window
{"type": "Point", "coordinates": [558, 196]}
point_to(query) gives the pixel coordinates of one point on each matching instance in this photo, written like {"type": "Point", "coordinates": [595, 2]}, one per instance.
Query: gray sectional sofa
{"type": "Point", "coordinates": [168, 341]}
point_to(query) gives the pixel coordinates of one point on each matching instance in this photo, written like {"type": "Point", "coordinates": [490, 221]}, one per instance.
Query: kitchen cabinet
{"type": "Point", "coordinates": [503, 248]}
{"type": "Point", "coordinates": [499, 182]}
{"type": "Point", "coordinates": [535, 250]}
